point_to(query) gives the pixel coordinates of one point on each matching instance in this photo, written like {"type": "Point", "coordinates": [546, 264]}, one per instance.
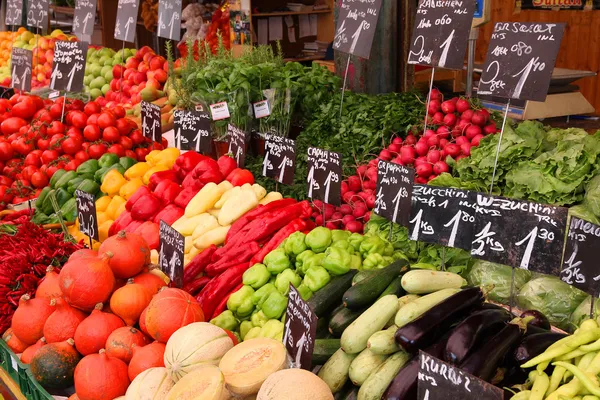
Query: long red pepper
{"type": "Point", "coordinates": [222, 306]}
{"type": "Point", "coordinates": [258, 211]}
{"type": "Point", "coordinates": [296, 225]}
{"type": "Point", "coordinates": [196, 285]}
{"type": "Point", "coordinates": [198, 264]}
{"type": "Point", "coordinates": [219, 267]}
{"type": "Point", "coordinates": [214, 291]}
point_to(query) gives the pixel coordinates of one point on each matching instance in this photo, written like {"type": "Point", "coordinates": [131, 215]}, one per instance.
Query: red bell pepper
{"type": "Point", "coordinates": [142, 191]}
{"type": "Point", "coordinates": [186, 195]}
{"type": "Point", "coordinates": [207, 171]}
{"type": "Point", "coordinates": [150, 232]}
{"type": "Point", "coordinates": [120, 223]}
{"type": "Point", "coordinates": [160, 176]}
{"type": "Point", "coordinates": [239, 177]}
{"type": "Point", "coordinates": [167, 191]}
{"type": "Point", "coordinates": [188, 161]}
{"type": "Point", "coordinates": [198, 264]}
{"type": "Point", "coordinates": [169, 214]}
{"type": "Point", "coordinates": [133, 225]}
{"type": "Point", "coordinates": [146, 207]}
{"type": "Point", "coordinates": [226, 164]}
{"type": "Point", "coordinates": [190, 182]}
{"type": "Point", "coordinates": [296, 225]}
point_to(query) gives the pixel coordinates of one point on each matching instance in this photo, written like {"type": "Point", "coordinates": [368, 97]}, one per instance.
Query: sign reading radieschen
{"type": "Point", "coordinates": [86, 214]}
{"type": "Point", "coordinates": [300, 330]}
{"type": "Point", "coordinates": [68, 68]}
{"type": "Point", "coordinates": [441, 33]}
{"type": "Point", "coordinates": [237, 144]}
{"type": "Point", "coordinates": [280, 159]}
{"type": "Point", "coordinates": [442, 215]}
{"type": "Point", "coordinates": [84, 18]}
{"type": "Point", "coordinates": [356, 27]}
{"type": "Point", "coordinates": [394, 191]}
{"type": "Point", "coordinates": [192, 131]}
{"type": "Point", "coordinates": [151, 123]}
{"type": "Point", "coordinates": [14, 12]}
{"type": "Point", "coordinates": [127, 12]}
{"type": "Point", "coordinates": [171, 254]}
{"type": "Point", "coordinates": [324, 175]}
{"type": "Point", "coordinates": [21, 63]}
{"type": "Point", "coordinates": [519, 233]}
{"type": "Point", "coordinates": [169, 19]}
{"type": "Point", "coordinates": [580, 261]}
{"type": "Point", "coordinates": [440, 380]}
{"type": "Point", "coordinates": [520, 60]}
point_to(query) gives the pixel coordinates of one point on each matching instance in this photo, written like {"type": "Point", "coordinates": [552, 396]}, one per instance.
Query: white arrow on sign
{"type": "Point", "coordinates": [310, 179]}
{"type": "Point", "coordinates": [85, 20]}
{"type": "Point", "coordinates": [238, 155]}
{"type": "Point", "coordinates": [71, 75]}
{"type": "Point", "coordinates": [282, 168]}
{"type": "Point", "coordinates": [25, 74]}
{"type": "Point", "coordinates": [397, 202]}
{"type": "Point", "coordinates": [13, 77]}
{"type": "Point", "coordinates": [129, 22]}
{"type": "Point", "coordinates": [197, 139]}
{"type": "Point", "coordinates": [286, 330]}
{"type": "Point", "coordinates": [178, 138]}
{"type": "Point", "coordinates": [356, 35]}
{"type": "Point", "coordinates": [265, 163]}
{"type": "Point", "coordinates": [299, 346]}
{"type": "Point", "coordinates": [54, 75]}
{"type": "Point", "coordinates": [172, 24]}
{"type": "Point", "coordinates": [327, 186]}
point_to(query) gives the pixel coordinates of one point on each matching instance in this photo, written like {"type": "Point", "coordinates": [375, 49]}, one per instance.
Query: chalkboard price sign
{"type": "Point", "coordinates": [520, 60]}
{"type": "Point", "coordinates": [86, 214]}
{"type": "Point", "coordinates": [519, 233]}
{"type": "Point", "coordinates": [237, 144]}
{"type": "Point", "coordinates": [151, 123]}
{"type": "Point", "coordinates": [280, 159]}
{"type": "Point", "coordinates": [394, 191]}
{"type": "Point", "coordinates": [441, 33]}
{"type": "Point", "coordinates": [171, 254]}
{"type": "Point", "coordinates": [300, 330]}
{"type": "Point", "coordinates": [85, 17]}
{"type": "Point", "coordinates": [324, 175]}
{"type": "Point", "coordinates": [580, 262]}
{"type": "Point", "coordinates": [169, 19]}
{"type": "Point", "coordinates": [68, 68]}
{"type": "Point", "coordinates": [356, 27]}
{"type": "Point", "coordinates": [192, 131]}
{"type": "Point", "coordinates": [442, 215]}
{"type": "Point", "coordinates": [14, 12]}
{"type": "Point", "coordinates": [37, 14]}
{"type": "Point", "coordinates": [21, 62]}
{"type": "Point", "coordinates": [127, 12]}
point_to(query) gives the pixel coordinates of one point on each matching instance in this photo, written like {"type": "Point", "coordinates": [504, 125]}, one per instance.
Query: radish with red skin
{"type": "Point", "coordinates": [366, 218]}
{"type": "Point", "coordinates": [420, 160]}
{"type": "Point", "coordinates": [347, 197]}
{"type": "Point", "coordinates": [371, 201]}
{"type": "Point", "coordinates": [443, 132]}
{"type": "Point", "coordinates": [397, 140]}
{"type": "Point", "coordinates": [433, 156]}
{"type": "Point", "coordinates": [453, 150]}
{"type": "Point", "coordinates": [394, 148]}
{"type": "Point", "coordinates": [465, 148]}
{"type": "Point", "coordinates": [348, 218]}
{"type": "Point", "coordinates": [462, 105]}
{"type": "Point", "coordinates": [448, 107]}
{"type": "Point", "coordinates": [359, 211]}
{"type": "Point", "coordinates": [354, 183]}
{"type": "Point", "coordinates": [480, 118]}
{"type": "Point", "coordinates": [421, 148]}
{"type": "Point", "coordinates": [490, 129]}
{"type": "Point", "coordinates": [440, 167]}
{"type": "Point", "coordinates": [398, 160]}
{"type": "Point", "coordinates": [410, 140]}
{"type": "Point", "coordinates": [361, 170]}
{"type": "Point", "coordinates": [421, 180]}
{"type": "Point", "coordinates": [460, 157]}
{"type": "Point", "coordinates": [434, 107]}
{"type": "Point", "coordinates": [435, 94]}
{"type": "Point", "coordinates": [438, 118]}
{"type": "Point", "coordinates": [385, 155]}
{"type": "Point", "coordinates": [331, 226]}
{"type": "Point", "coordinates": [346, 209]}
{"type": "Point", "coordinates": [328, 213]}
{"type": "Point", "coordinates": [467, 115]}
{"type": "Point", "coordinates": [450, 120]}
{"type": "Point", "coordinates": [454, 100]}
{"type": "Point", "coordinates": [337, 215]}
{"type": "Point", "coordinates": [354, 227]}
{"type": "Point", "coordinates": [424, 169]}
{"type": "Point", "coordinates": [319, 220]}
{"type": "Point", "coordinates": [344, 187]}
{"type": "Point", "coordinates": [462, 139]}
{"type": "Point", "coordinates": [407, 154]}
{"type": "Point", "coordinates": [372, 174]}
{"type": "Point", "coordinates": [318, 204]}
{"type": "Point", "coordinates": [475, 141]}
{"type": "Point", "coordinates": [428, 133]}
{"type": "Point", "coordinates": [372, 185]}
{"type": "Point", "coordinates": [472, 131]}
{"type": "Point", "coordinates": [431, 177]}
{"type": "Point", "coordinates": [443, 143]}
{"type": "Point", "coordinates": [433, 141]}
{"type": "Point", "coordinates": [372, 163]}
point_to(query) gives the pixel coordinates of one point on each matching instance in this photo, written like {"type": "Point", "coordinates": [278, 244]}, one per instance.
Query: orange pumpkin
{"type": "Point", "coordinates": [13, 342]}
{"type": "Point", "coordinates": [31, 350]}
{"type": "Point", "coordinates": [170, 310]}
{"type": "Point", "coordinates": [149, 356]}
{"type": "Point", "coordinates": [129, 301]}
{"type": "Point", "coordinates": [128, 254]}
{"type": "Point", "coordinates": [92, 332]}
{"type": "Point", "coordinates": [30, 317]}
{"type": "Point", "coordinates": [121, 341]}
{"type": "Point", "coordinates": [53, 365]}
{"type": "Point", "coordinates": [86, 282]}
{"type": "Point", "coordinates": [63, 322]}
{"type": "Point", "coordinates": [83, 253]}
{"type": "Point", "coordinates": [101, 377]}
{"type": "Point", "coordinates": [150, 281]}
{"type": "Point", "coordinates": [48, 286]}
{"type": "Point", "coordinates": [142, 322]}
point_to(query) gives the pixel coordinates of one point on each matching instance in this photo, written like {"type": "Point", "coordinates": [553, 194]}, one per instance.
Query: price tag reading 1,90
{"type": "Point", "coordinates": [127, 12]}
{"type": "Point", "coordinates": [169, 19]}
{"type": "Point", "coordinates": [580, 261]}
{"type": "Point", "coordinates": [21, 63]}
{"type": "Point", "coordinates": [520, 60]}
{"type": "Point", "coordinates": [237, 144]}
{"type": "Point", "coordinates": [324, 176]}
{"type": "Point", "coordinates": [151, 123]}
{"type": "Point", "coordinates": [68, 69]}
{"type": "Point", "coordinates": [280, 159]}
{"type": "Point", "coordinates": [86, 214]}
{"type": "Point", "coordinates": [84, 17]}
{"type": "Point", "coordinates": [300, 330]}
{"type": "Point", "coordinates": [356, 27]}
{"type": "Point", "coordinates": [192, 131]}
{"type": "Point", "coordinates": [519, 233]}
{"type": "Point", "coordinates": [171, 254]}
{"type": "Point", "coordinates": [394, 191]}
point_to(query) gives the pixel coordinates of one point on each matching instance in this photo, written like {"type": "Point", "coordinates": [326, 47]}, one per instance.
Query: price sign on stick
{"type": "Point", "coordinates": [21, 66]}
{"type": "Point", "coordinates": [171, 254]}
{"type": "Point", "coordinates": [37, 14]}
{"type": "Point", "coordinates": [169, 19]}
{"type": "Point", "coordinates": [519, 233]}
{"type": "Point", "coordinates": [280, 159]}
{"type": "Point", "coordinates": [441, 33]}
{"type": "Point", "coordinates": [68, 68]}
{"type": "Point", "coordinates": [151, 123]}
{"type": "Point", "coordinates": [14, 12]}
{"type": "Point", "coordinates": [237, 144]}
{"type": "Point", "coordinates": [440, 380]}
{"type": "Point", "coordinates": [300, 330]}
{"type": "Point", "coordinates": [580, 261]}
{"type": "Point", "coordinates": [356, 27]}
{"type": "Point", "coordinates": [520, 60]}
{"type": "Point", "coordinates": [85, 17]}
{"type": "Point", "coordinates": [86, 214]}
{"type": "Point", "coordinates": [192, 131]}
{"type": "Point", "coordinates": [324, 176]}
{"type": "Point", "coordinates": [394, 191]}
{"type": "Point", "coordinates": [442, 215]}
{"type": "Point", "coordinates": [127, 12]}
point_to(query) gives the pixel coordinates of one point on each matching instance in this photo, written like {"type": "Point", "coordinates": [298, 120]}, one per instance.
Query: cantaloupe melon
{"type": "Point", "coordinates": [203, 383]}
{"type": "Point", "coordinates": [294, 384]}
{"type": "Point", "coordinates": [195, 345]}
{"type": "Point", "coordinates": [152, 384]}
{"type": "Point", "coordinates": [248, 364]}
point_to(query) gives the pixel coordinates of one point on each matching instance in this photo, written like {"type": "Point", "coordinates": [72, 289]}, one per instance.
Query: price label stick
{"type": "Point", "coordinates": [429, 98]}
{"type": "Point", "coordinates": [344, 87]}
{"type": "Point", "coordinates": [62, 115]}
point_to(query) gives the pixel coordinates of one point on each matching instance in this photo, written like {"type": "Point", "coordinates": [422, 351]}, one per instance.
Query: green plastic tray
{"type": "Point", "coordinates": [21, 374]}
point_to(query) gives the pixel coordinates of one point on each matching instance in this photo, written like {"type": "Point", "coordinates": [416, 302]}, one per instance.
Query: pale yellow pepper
{"type": "Point", "coordinates": [112, 182]}
{"type": "Point", "coordinates": [204, 200]}
{"type": "Point", "coordinates": [236, 206]}
{"type": "Point", "coordinates": [137, 171]}
{"type": "Point", "coordinates": [103, 229]}
{"type": "Point", "coordinates": [154, 256]}
{"type": "Point", "coordinates": [186, 226]}
{"type": "Point", "coordinates": [114, 205]}
{"type": "Point", "coordinates": [102, 203]}
{"type": "Point", "coordinates": [189, 244]}
{"type": "Point", "coordinates": [271, 196]}
{"type": "Point", "coordinates": [259, 191]}
{"type": "Point", "coordinates": [214, 212]}
{"type": "Point", "coordinates": [151, 171]}
{"type": "Point", "coordinates": [194, 252]}
{"type": "Point", "coordinates": [215, 236]}
{"type": "Point", "coordinates": [231, 192]}
{"type": "Point", "coordinates": [207, 223]}
{"type": "Point", "coordinates": [128, 189]}
{"type": "Point", "coordinates": [167, 157]}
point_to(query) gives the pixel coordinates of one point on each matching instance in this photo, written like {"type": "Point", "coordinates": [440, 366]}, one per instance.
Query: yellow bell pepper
{"type": "Point", "coordinates": [137, 171]}
{"type": "Point", "coordinates": [272, 196]}
{"type": "Point", "coordinates": [114, 205]}
{"type": "Point", "coordinates": [215, 236]}
{"type": "Point", "coordinates": [236, 206]}
{"type": "Point", "coordinates": [207, 223]}
{"type": "Point", "coordinates": [167, 157]}
{"type": "Point", "coordinates": [231, 192]}
{"type": "Point", "coordinates": [150, 157]}
{"type": "Point", "coordinates": [259, 191]}
{"type": "Point", "coordinates": [120, 210]}
{"type": "Point", "coordinates": [128, 189]}
{"type": "Point", "coordinates": [151, 171]}
{"type": "Point", "coordinates": [204, 200]}
{"type": "Point", "coordinates": [186, 226]}
{"type": "Point", "coordinates": [102, 203]}
{"type": "Point", "coordinates": [103, 229]}
{"type": "Point", "coordinates": [112, 182]}
{"type": "Point", "coordinates": [101, 217]}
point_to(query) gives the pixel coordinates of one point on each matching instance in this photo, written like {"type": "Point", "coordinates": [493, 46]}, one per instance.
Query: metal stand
{"type": "Point", "coordinates": [473, 36]}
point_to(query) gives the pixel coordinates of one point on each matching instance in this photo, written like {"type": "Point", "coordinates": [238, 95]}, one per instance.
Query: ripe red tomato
{"type": "Point", "coordinates": [111, 134]}
{"type": "Point", "coordinates": [123, 126]}
{"type": "Point", "coordinates": [43, 116]}
{"type": "Point", "coordinates": [72, 165]}
{"type": "Point", "coordinates": [130, 154]}
{"type": "Point", "coordinates": [5, 180]}
{"type": "Point", "coordinates": [76, 104]}
{"type": "Point", "coordinates": [56, 110]}
{"type": "Point", "coordinates": [56, 127]}
{"type": "Point", "coordinates": [141, 153]}
{"type": "Point", "coordinates": [92, 133]}
{"type": "Point", "coordinates": [93, 119]}
{"type": "Point", "coordinates": [24, 109]}
{"type": "Point", "coordinates": [106, 119]}
{"type": "Point", "coordinates": [92, 108]}
{"type": "Point", "coordinates": [55, 141]}
{"type": "Point", "coordinates": [82, 156]}
{"type": "Point", "coordinates": [97, 150]}
{"type": "Point", "coordinates": [126, 142]}
{"type": "Point", "coordinates": [22, 146]}
{"type": "Point", "coordinates": [137, 137]}
{"type": "Point", "coordinates": [117, 149]}
{"type": "Point", "coordinates": [39, 180]}
{"type": "Point", "coordinates": [70, 145]}
{"type": "Point", "coordinates": [12, 125]}
{"type": "Point", "coordinates": [33, 159]}
{"type": "Point", "coordinates": [74, 133]}
{"type": "Point", "coordinates": [49, 156]}
{"type": "Point", "coordinates": [6, 195]}
{"type": "Point", "coordinates": [6, 151]}
{"type": "Point", "coordinates": [28, 171]}
{"type": "Point", "coordinates": [157, 146]}
{"type": "Point", "coordinates": [78, 119]}
{"type": "Point", "coordinates": [118, 111]}
{"type": "Point", "coordinates": [43, 143]}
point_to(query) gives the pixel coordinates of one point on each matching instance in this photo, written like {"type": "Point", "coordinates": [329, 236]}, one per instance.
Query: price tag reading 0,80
{"type": "Point", "coordinates": [21, 62]}
{"type": "Point", "coordinates": [151, 123]}
{"type": "Point", "coordinates": [280, 159]}
{"type": "Point", "coordinates": [192, 131]}
{"type": "Point", "coordinates": [127, 12]}
{"type": "Point", "coordinates": [171, 253]}
{"type": "Point", "coordinates": [68, 69]}
{"type": "Point", "coordinates": [580, 261]}
{"type": "Point", "coordinates": [356, 27]}
{"type": "Point", "coordinates": [169, 19]}
{"type": "Point", "coordinates": [324, 176]}
{"type": "Point", "coordinates": [86, 214]}
{"type": "Point", "coordinates": [394, 191]}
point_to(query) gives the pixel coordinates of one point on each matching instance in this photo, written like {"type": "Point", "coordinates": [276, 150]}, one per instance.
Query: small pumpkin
{"type": "Point", "coordinates": [100, 377]}
{"type": "Point", "coordinates": [86, 282]}
{"type": "Point", "coordinates": [48, 286]}
{"type": "Point", "coordinates": [128, 254]}
{"type": "Point", "coordinates": [142, 322]}
{"type": "Point", "coordinates": [130, 301]}
{"type": "Point", "coordinates": [170, 310]}
{"type": "Point", "coordinates": [149, 356]}
{"type": "Point", "coordinates": [31, 350]}
{"type": "Point", "coordinates": [92, 332]}
{"type": "Point", "coordinates": [13, 342]}
{"type": "Point", "coordinates": [152, 384]}
{"type": "Point", "coordinates": [29, 318]}
{"type": "Point", "coordinates": [121, 341]}
{"type": "Point", "coordinates": [53, 365]}
{"type": "Point", "coordinates": [83, 253]}
{"type": "Point", "coordinates": [150, 281]}
{"type": "Point", "coordinates": [63, 322]}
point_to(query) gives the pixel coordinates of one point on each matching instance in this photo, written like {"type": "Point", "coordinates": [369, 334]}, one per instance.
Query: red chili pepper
{"type": "Point", "coordinates": [196, 285]}
{"type": "Point", "coordinates": [296, 225]}
{"type": "Point", "coordinates": [222, 306]}
{"type": "Point", "coordinates": [169, 214]}
{"type": "Point", "coordinates": [198, 264]}
{"type": "Point", "coordinates": [258, 211]}
{"type": "Point", "coordinates": [161, 176]}
{"type": "Point", "coordinates": [214, 291]}
{"type": "Point", "coordinates": [142, 191]}
{"type": "Point", "coordinates": [146, 207]}
{"type": "Point", "coordinates": [221, 266]}
{"type": "Point", "coordinates": [166, 190]}
{"type": "Point", "coordinates": [186, 195]}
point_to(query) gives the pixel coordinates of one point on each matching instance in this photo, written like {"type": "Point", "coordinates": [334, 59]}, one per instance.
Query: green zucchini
{"type": "Point", "coordinates": [330, 295]}
{"type": "Point", "coordinates": [368, 290]}
{"type": "Point", "coordinates": [56, 177]}
{"type": "Point", "coordinates": [335, 371]}
{"type": "Point", "coordinates": [383, 342]}
{"type": "Point", "coordinates": [363, 365]}
{"type": "Point", "coordinates": [341, 319]}
{"type": "Point", "coordinates": [362, 275]}
{"type": "Point", "coordinates": [395, 287]}
{"type": "Point", "coordinates": [378, 381]}
{"type": "Point", "coordinates": [324, 348]}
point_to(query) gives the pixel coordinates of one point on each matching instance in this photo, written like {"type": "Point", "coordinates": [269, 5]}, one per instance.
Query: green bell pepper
{"type": "Point", "coordinates": [89, 186]}
{"type": "Point", "coordinates": [356, 262]}
{"type": "Point", "coordinates": [69, 210]}
{"type": "Point", "coordinates": [259, 318]}
{"type": "Point", "coordinates": [53, 219]}
{"type": "Point", "coordinates": [127, 162]}
{"type": "Point", "coordinates": [313, 261]}
{"type": "Point", "coordinates": [372, 244]}
{"type": "Point", "coordinates": [273, 329]}
{"type": "Point", "coordinates": [282, 283]}
{"type": "Point", "coordinates": [338, 234]}
{"type": "Point", "coordinates": [56, 177]}
{"type": "Point", "coordinates": [253, 333]}
{"type": "Point", "coordinates": [225, 320]}
{"type": "Point", "coordinates": [256, 276]}
{"type": "Point", "coordinates": [88, 167]}
{"type": "Point", "coordinates": [99, 174]}
{"type": "Point", "coordinates": [276, 261]}
{"type": "Point", "coordinates": [259, 297]}
{"type": "Point", "coordinates": [343, 244]}
{"type": "Point", "coordinates": [47, 206]}
{"type": "Point", "coordinates": [389, 249]}
{"type": "Point", "coordinates": [274, 305]}
{"type": "Point", "coordinates": [294, 244]}
{"type": "Point", "coordinates": [301, 259]}
{"type": "Point", "coordinates": [62, 196]}
{"type": "Point", "coordinates": [355, 240]}
{"type": "Point", "coordinates": [245, 327]}
{"type": "Point", "coordinates": [63, 182]}
{"type": "Point", "coordinates": [73, 184]}
{"type": "Point", "coordinates": [39, 202]}
{"type": "Point", "coordinates": [337, 261]}
{"type": "Point", "coordinates": [304, 291]}
{"type": "Point", "coordinates": [373, 261]}
{"type": "Point", "coordinates": [240, 302]}
{"type": "Point", "coordinates": [107, 160]}
{"type": "Point", "coordinates": [319, 239]}
{"type": "Point", "coordinates": [316, 278]}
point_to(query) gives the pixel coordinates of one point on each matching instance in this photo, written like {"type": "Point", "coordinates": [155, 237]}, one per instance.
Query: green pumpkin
{"type": "Point", "coordinates": [54, 364]}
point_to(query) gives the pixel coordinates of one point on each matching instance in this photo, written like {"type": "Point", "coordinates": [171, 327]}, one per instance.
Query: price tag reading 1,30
{"type": "Point", "coordinates": [442, 215]}
{"type": "Point", "coordinates": [580, 262]}
{"type": "Point", "coordinates": [21, 62]}
{"type": "Point", "coordinates": [280, 159]}
{"type": "Point", "coordinates": [171, 254]}
{"type": "Point", "coordinates": [356, 27]}
{"type": "Point", "coordinates": [300, 330]}
{"type": "Point", "coordinates": [68, 69]}
{"type": "Point", "coordinates": [237, 144]}
{"type": "Point", "coordinates": [441, 33]}
{"type": "Point", "coordinates": [394, 191]}
{"type": "Point", "coordinates": [169, 19]}
{"type": "Point", "coordinates": [37, 14]}
{"type": "Point", "coordinates": [440, 380]}
{"type": "Point", "coordinates": [324, 176]}
{"type": "Point", "coordinates": [151, 123]}
{"type": "Point", "coordinates": [127, 12]}
{"type": "Point", "coordinates": [520, 60]}
{"type": "Point", "coordinates": [84, 17]}
{"type": "Point", "coordinates": [14, 12]}
{"type": "Point", "coordinates": [519, 233]}
{"type": "Point", "coordinates": [86, 214]}
{"type": "Point", "coordinates": [192, 131]}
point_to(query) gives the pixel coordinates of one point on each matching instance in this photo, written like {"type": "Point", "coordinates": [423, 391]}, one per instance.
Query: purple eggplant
{"type": "Point", "coordinates": [471, 331]}
{"type": "Point", "coordinates": [539, 319]}
{"type": "Point", "coordinates": [534, 345]}
{"type": "Point", "coordinates": [430, 326]}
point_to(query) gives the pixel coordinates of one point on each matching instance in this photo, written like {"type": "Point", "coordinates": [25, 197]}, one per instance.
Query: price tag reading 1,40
{"type": "Point", "coordinates": [84, 17]}
{"type": "Point", "coordinates": [324, 176]}
{"type": "Point", "coordinates": [171, 254]}
{"type": "Point", "coordinates": [237, 144]}
{"type": "Point", "coordinates": [300, 330]}
{"type": "Point", "coordinates": [68, 69]}
{"type": "Point", "coordinates": [356, 27]}
{"type": "Point", "coordinates": [580, 262]}
{"type": "Point", "coordinates": [86, 214]}
{"type": "Point", "coordinates": [394, 192]}
{"type": "Point", "coordinates": [192, 131]}
{"type": "Point", "coordinates": [127, 12]}
{"type": "Point", "coordinates": [21, 63]}
{"type": "Point", "coordinates": [520, 60]}
{"type": "Point", "coordinates": [280, 159]}
{"type": "Point", "coordinates": [169, 19]}
{"type": "Point", "coordinates": [519, 233]}
{"type": "Point", "coordinates": [151, 123]}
